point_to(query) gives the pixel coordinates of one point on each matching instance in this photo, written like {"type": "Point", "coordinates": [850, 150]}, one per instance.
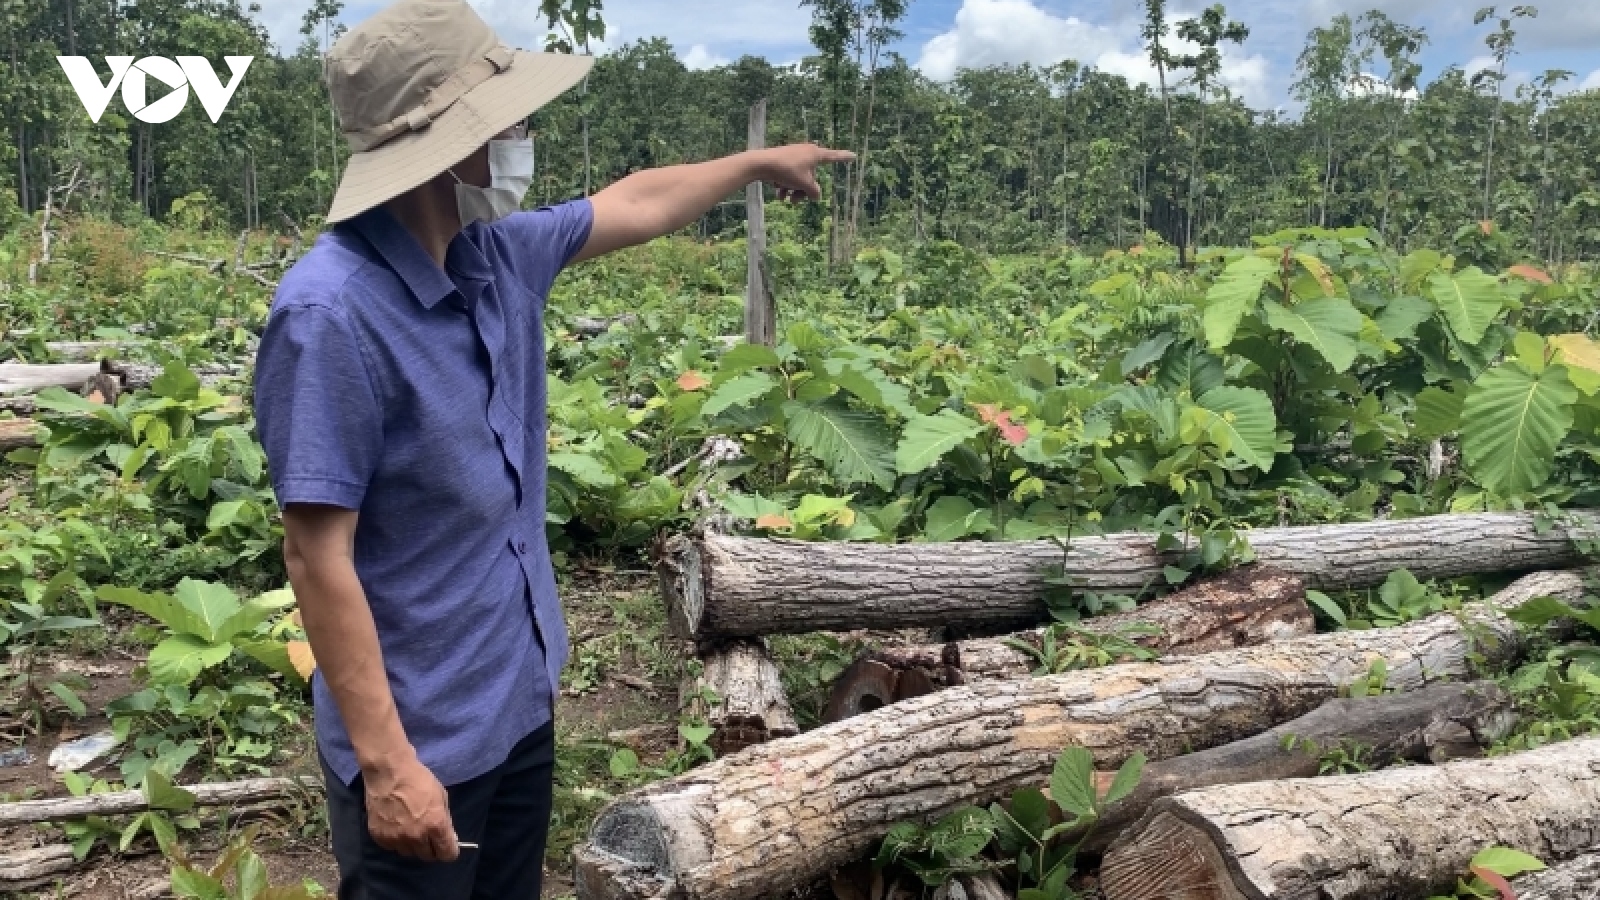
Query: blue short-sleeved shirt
{"type": "Point", "coordinates": [417, 396]}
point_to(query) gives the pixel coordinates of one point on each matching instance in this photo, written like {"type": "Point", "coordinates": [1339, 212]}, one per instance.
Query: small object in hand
{"type": "Point", "coordinates": [466, 845]}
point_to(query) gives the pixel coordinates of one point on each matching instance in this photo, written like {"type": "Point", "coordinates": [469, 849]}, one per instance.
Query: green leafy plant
{"type": "Point", "coordinates": [1066, 647]}
{"type": "Point", "coordinates": [238, 874]}
{"type": "Point", "coordinates": [1488, 872]}
{"type": "Point", "coordinates": [204, 626]}
{"type": "Point", "coordinates": [170, 810]}
{"type": "Point", "coordinates": [935, 853]}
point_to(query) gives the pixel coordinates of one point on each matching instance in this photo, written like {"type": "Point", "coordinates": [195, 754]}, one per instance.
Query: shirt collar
{"type": "Point", "coordinates": [404, 255]}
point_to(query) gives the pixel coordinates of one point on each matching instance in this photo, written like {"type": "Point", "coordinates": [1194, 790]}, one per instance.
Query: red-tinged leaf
{"type": "Point", "coordinates": [989, 413]}
{"type": "Point", "coordinates": [773, 521]}
{"type": "Point", "coordinates": [1012, 433]}
{"type": "Point", "coordinates": [301, 658]}
{"type": "Point", "coordinates": [1136, 250]}
{"type": "Point", "coordinates": [1507, 892]}
{"type": "Point", "coordinates": [1486, 226]}
{"type": "Point", "coordinates": [692, 381]}
{"type": "Point", "coordinates": [1531, 274]}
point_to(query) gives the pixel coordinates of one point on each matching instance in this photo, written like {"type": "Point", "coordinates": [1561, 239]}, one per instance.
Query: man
{"type": "Point", "coordinates": [400, 395]}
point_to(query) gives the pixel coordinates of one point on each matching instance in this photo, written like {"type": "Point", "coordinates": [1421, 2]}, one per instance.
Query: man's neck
{"type": "Point", "coordinates": [429, 213]}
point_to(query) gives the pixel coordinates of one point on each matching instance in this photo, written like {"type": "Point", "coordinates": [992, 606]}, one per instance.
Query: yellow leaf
{"type": "Point", "coordinates": [1319, 270]}
{"type": "Point", "coordinates": [1581, 354]}
{"type": "Point", "coordinates": [692, 381]}
{"type": "Point", "coordinates": [302, 660]}
{"type": "Point", "coordinates": [774, 521]}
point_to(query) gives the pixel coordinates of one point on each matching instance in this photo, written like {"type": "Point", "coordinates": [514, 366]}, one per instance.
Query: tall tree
{"type": "Point", "coordinates": [1207, 32]}
{"type": "Point", "coordinates": [1502, 43]}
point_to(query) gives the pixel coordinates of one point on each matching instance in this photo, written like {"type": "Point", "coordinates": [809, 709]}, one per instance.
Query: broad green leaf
{"type": "Point", "coordinates": [952, 518]}
{"type": "Point", "coordinates": [853, 445]}
{"type": "Point", "coordinates": [589, 471]}
{"type": "Point", "coordinates": [1329, 324]}
{"type": "Point", "coordinates": [1438, 413]}
{"type": "Point", "coordinates": [176, 382]}
{"type": "Point", "coordinates": [1402, 590]}
{"type": "Point", "coordinates": [1127, 779]}
{"type": "Point", "coordinates": [806, 338]}
{"type": "Point", "coordinates": [1511, 422]}
{"type": "Point", "coordinates": [927, 439]}
{"type": "Point", "coordinates": [161, 607]}
{"type": "Point", "coordinates": [273, 654]}
{"type": "Point", "coordinates": [739, 391]}
{"type": "Point", "coordinates": [1507, 862]}
{"type": "Point", "coordinates": [250, 614]}
{"type": "Point", "coordinates": [751, 506]}
{"type": "Point", "coordinates": [1581, 354]}
{"type": "Point", "coordinates": [1241, 422]}
{"type": "Point", "coordinates": [1234, 296]}
{"type": "Point", "coordinates": [212, 604]}
{"type": "Point", "coordinates": [744, 357]}
{"type": "Point", "coordinates": [1325, 603]}
{"type": "Point", "coordinates": [69, 697]}
{"type": "Point", "coordinates": [251, 876]}
{"type": "Point", "coordinates": [181, 658]}
{"type": "Point", "coordinates": [1188, 366]}
{"type": "Point", "coordinates": [191, 884]}
{"type": "Point", "coordinates": [1399, 319]}
{"type": "Point", "coordinates": [1072, 782]}
{"type": "Point", "coordinates": [1469, 300]}
{"type": "Point", "coordinates": [1419, 265]}
{"type": "Point", "coordinates": [1030, 809]}
{"type": "Point", "coordinates": [224, 514]}
{"type": "Point", "coordinates": [1146, 353]}
{"type": "Point", "coordinates": [161, 793]}
{"type": "Point", "coordinates": [872, 386]}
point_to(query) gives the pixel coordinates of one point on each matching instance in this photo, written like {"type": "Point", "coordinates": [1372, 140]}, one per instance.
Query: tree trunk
{"type": "Point", "coordinates": [749, 706]}
{"type": "Point", "coordinates": [1395, 833]}
{"type": "Point", "coordinates": [780, 815]}
{"type": "Point", "coordinates": [1244, 607]}
{"type": "Point", "coordinates": [20, 377]}
{"type": "Point", "coordinates": [122, 802]}
{"type": "Point", "coordinates": [1435, 724]}
{"type": "Point", "coordinates": [1567, 881]}
{"type": "Point", "coordinates": [720, 586]}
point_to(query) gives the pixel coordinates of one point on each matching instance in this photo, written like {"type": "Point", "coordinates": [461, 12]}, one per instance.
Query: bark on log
{"type": "Point", "coordinates": [18, 433]}
{"type": "Point", "coordinates": [780, 815]}
{"type": "Point", "coordinates": [750, 707]}
{"type": "Point", "coordinates": [1394, 833]}
{"type": "Point", "coordinates": [720, 586]}
{"type": "Point", "coordinates": [1575, 879]}
{"type": "Point", "coordinates": [1438, 723]}
{"type": "Point", "coordinates": [589, 326]}
{"type": "Point", "coordinates": [1241, 608]}
{"type": "Point", "coordinates": [21, 870]}
{"type": "Point", "coordinates": [250, 790]}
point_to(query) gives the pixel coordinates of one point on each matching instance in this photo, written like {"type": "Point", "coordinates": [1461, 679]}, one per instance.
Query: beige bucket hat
{"type": "Point", "coordinates": [422, 85]}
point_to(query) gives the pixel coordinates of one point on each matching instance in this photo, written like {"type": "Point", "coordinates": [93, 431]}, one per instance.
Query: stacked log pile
{"type": "Point", "coordinates": [785, 814]}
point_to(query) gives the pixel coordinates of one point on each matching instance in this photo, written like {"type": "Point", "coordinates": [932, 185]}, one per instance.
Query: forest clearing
{"type": "Point", "coordinates": [1108, 491]}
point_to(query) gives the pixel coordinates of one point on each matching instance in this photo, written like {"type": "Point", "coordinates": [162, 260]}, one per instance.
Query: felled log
{"type": "Point", "coordinates": [21, 870]}
{"type": "Point", "coordinates": [1242, 607]}
{"type": "Point", "coordinates": [30, 378]}
{"type": "Point", "coordinates": [1437, 723]}
{"type": "Point", "coordinates": [783, 814]}
{"type": "Point", "coordinates": [1575, 879]}
{"type": "Point", "coordinates": [589, 326]}
{"type": "Point", "coordinates": [1393, 833]}
{"type": "Point", "coordinates": [250, 790]}
{"type": "Point", "coordinates": [750, 706]}
{"type": "Point", "coordinates": [18, 433]}
{"type": "Point", "coordinates": [721, 586]}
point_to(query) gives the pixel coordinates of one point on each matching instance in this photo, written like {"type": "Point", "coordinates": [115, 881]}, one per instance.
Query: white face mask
{"type": "Point", "coordinates": [510, 175]}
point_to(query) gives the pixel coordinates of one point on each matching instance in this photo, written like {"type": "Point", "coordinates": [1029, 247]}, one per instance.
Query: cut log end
{"type": "Point", "coordinates": [683, 587]}
{"type": "Point", "coordinates": [865, 686]}
{"type": "Point", "coordinates": [599, 875]}
{"type": "Point", "coordinates": [1176, 861]}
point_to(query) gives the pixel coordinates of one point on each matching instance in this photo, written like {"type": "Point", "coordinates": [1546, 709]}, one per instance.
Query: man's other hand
{"type": "Point", "coordinates": [408, 811]}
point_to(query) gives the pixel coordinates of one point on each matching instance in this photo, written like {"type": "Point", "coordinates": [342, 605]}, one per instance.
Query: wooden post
{"type": "Point", "coordinates": [760, 309]}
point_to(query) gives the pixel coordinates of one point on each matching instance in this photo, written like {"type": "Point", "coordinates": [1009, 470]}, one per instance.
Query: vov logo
{"type": "Point", "coordinates": [180, 75]}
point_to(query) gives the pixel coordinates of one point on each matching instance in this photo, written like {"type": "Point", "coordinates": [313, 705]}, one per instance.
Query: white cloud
{"type": "Point", "coordinates": [1592, 83]}
{"type": "Point", "coordinates": [994, 32]}
{"type": "Point", "coordinates": [699, 57]}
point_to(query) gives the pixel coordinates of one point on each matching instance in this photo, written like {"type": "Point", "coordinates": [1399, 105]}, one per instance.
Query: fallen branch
{"type": "Point", "coordinates": [783, 814]}
{"type": "Point", "coordinates": [18, 433]}
{"type": "Point", "coordinates": [718, 586]}
{"type": "Point", "coordinates": [1438, 723]}
{"type": "Point", "coordinates": [1394, 833]}
{"type": "Point", "coordinates": [123, 802]}
{"type": "Point", "coordinates": [22, 870]}
{"type": "Point", "coordinates": [1243, 607]}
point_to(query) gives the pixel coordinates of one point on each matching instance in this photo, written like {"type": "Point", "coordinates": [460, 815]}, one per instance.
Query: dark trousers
{"type": "Point", "coordinates": [505, 812]}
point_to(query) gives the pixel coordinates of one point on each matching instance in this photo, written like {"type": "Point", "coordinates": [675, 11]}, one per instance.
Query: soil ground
{"type": "Point", "coordinates": [623, 677]}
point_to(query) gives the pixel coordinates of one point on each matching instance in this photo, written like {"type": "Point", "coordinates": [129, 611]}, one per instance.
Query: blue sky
{"type": "Point", "coordinates": [944, 35]}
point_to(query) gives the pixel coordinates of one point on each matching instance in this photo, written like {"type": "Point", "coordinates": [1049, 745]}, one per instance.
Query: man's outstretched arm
{"type": "Point", "coordinates": [655, 202]}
